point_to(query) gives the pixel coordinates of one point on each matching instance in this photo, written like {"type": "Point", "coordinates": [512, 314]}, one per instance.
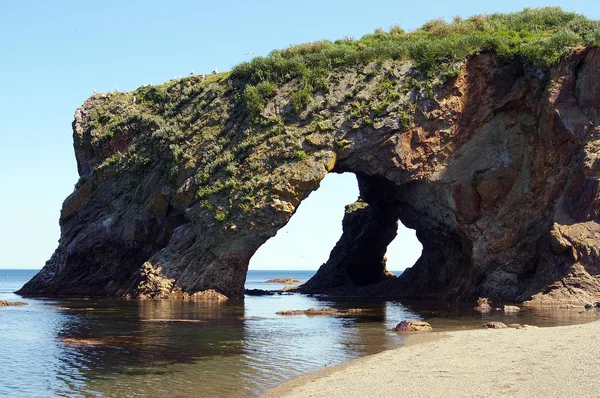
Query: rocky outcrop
{"type": "Point", "coordinates": [412, 326]}
{"type": "Point", "coordinates": [497, 169]}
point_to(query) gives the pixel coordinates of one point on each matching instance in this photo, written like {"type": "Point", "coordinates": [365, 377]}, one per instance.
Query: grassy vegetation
{"type": "Point", "coordinates": [300, 154]}
{"type": "Point", "coordinates": [536, 36]}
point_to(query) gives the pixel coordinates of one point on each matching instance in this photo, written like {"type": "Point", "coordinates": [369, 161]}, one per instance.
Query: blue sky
{"type": "Point", "coordinates": [54, 53]}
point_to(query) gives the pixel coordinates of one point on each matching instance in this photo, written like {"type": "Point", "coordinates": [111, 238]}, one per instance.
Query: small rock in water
{"type": "Point", "coordinates": [412, 326]}
{"type": "Point", "coordinates": [597, 304]}
{"type": "Point", "coordinates": [311, 311]}
{"type": "Point", "coordinates": [589, 305]}
{"type": "Point", "coordinates": [494, 325]}
{"type": "Point", "coordinates": [515, 325]}
{"type": "Point", "coordinates": [483, 308]}
{"type": "Point", "coordinates": [11, 303]}
{"type": "Point", "coordinates": [285, 280]}
{"type": "Point", "coordinates": [483, 305]}
{"type": "Point", "coordinates": [323, 311]}
{"type": "Point", "coordinates": [511, 308]}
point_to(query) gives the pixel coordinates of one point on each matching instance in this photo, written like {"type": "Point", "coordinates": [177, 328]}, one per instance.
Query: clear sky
{"type": "Point", "coordinates": [54, 53]}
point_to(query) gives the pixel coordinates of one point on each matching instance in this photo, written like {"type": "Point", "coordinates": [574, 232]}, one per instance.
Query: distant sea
{"type": "Point", "coordinates": [118, 348]}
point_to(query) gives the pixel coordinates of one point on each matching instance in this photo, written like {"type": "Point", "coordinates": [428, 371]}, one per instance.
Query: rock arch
{"type": "Point", "coordinates": [497, 171]}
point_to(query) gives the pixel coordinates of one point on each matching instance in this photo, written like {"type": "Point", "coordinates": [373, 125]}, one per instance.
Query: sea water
{"type": "Point", "coordinates": [117, 348]}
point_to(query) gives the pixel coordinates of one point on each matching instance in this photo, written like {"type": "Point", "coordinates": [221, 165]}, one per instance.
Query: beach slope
{"type": "Point", "coordinates": [530, 362]}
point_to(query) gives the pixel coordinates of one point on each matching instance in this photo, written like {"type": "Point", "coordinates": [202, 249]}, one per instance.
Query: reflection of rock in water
{"type": "Point", "coordinates": [347, 330]}
{"type": "Point", "coordinates": [146, 338]}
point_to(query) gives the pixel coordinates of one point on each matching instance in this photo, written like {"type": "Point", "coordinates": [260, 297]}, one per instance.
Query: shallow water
{"type": "Point", "coordinates": [114, 348]}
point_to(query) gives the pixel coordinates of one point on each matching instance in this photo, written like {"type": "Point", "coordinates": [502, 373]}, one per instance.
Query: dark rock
{"type": "Point", "coordinates": [597, 304]}
{"type": "Point", "coordinates": [258, 292]}
{"type": "Point", "coordinates": [588, 305]}
{"type": "Point", "coordinates": [412, 326]}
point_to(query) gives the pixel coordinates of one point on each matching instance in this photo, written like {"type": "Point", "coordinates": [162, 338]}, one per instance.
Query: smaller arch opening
{"type": "Point", "coordinates": [404, 251]}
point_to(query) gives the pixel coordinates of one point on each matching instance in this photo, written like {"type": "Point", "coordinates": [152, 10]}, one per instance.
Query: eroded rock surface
{"type": "Point", "coordinates": [412, 326]}
{"type": "Point", "coordinates": [496, 169]}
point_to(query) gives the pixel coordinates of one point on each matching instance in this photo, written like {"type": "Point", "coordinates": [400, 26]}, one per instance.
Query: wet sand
{"type": "Point", "coordinates": [562, 361]}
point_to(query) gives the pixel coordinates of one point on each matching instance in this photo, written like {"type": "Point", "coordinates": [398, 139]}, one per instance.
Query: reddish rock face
{"type": "Point", "coordinates": [498, 173]}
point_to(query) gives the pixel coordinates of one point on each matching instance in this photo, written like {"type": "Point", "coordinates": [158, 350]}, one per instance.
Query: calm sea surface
{"type": "Point", "coordinates": [114, 348]}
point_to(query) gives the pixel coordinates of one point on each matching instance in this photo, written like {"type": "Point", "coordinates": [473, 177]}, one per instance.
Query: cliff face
{"type": "Point", "coordinates": [495, 166]}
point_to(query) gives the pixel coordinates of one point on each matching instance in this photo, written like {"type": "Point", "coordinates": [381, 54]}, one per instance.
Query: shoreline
{"type": "Point", "coordinates": [529, 362]}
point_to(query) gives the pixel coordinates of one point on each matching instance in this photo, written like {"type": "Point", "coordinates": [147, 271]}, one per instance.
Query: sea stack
{"type": "Point", "coordinates": [490, 155]}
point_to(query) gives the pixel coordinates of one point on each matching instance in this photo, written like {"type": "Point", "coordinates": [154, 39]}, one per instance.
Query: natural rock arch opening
{"type": "Point", "coordinates": [308, 237]}
{"type": "Point", "coordinates": [306, 241]}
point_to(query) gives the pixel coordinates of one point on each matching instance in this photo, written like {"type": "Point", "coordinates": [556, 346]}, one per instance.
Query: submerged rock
{"type": "Point", "coordinates": [412, 326]}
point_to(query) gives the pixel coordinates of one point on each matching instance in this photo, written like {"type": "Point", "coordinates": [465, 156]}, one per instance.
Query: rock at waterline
{"type": "Point", "coordinates": [258, 292]}
{"type": "Point", "coordinates": [483, 308]}
{"type": "Point", "coordinates": [289, 281]}
{"type": "Point", "coordinates": [511, 309]}
{"type": "Point", "coordinates": [323, 311]}
{"type": "Point", "coordinates": [310, 311]}
{"type": "Point", "coordinates": [494, 325]}
{"type": "Point", "coordinates": [482, 305]}
{"type": "Point", "coordinates": [12, 303]}
{"type": "Point", "coordinates": [412, 326]}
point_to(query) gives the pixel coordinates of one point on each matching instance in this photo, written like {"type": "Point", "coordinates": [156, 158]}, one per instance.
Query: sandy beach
{"type": "Point", "coordinates": [559, 361]}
